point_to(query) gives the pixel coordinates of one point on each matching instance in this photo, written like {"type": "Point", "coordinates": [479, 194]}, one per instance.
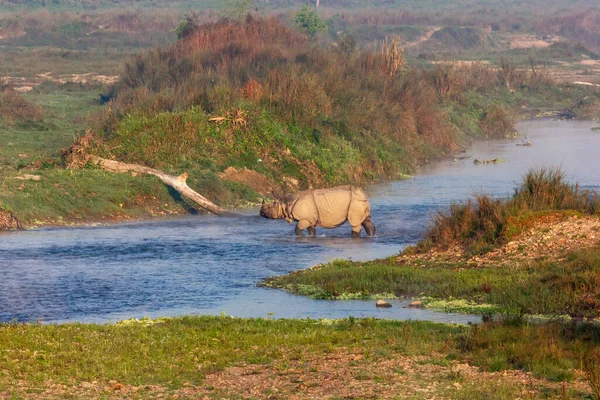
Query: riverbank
{"type": "Point", "coordinates": [256, 129]}
{"type": "Point", "coordinates": [50, 196]}
{"type": "Point", "coordinates": [223, 357]}
{"type": "Point", "coordinates": [533, 253]}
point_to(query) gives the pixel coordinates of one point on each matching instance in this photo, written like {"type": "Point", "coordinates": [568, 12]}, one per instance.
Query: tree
{"type": "Point", "coordinates": [187, 26]}
{"type": "Point", "coordinates": [308, 20]}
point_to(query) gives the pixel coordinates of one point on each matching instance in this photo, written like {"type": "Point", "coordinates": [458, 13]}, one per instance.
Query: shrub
{"type": "Point", "coordinates": [497, 121]}
{"type": "Point", "coordinates": [15, 109]}
{"type": "Point", "coordinates": [308, 20]}
{"type": "Point", "coordinates": [484, 222]}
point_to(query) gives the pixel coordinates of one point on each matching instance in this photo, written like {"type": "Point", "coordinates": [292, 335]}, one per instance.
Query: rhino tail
{"type": "Point", "coordinates": [369, 226]}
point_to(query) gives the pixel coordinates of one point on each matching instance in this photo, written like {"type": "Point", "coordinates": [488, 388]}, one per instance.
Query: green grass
{"type": "Point", "coordinates": [535, 286]}
{"type": "Point", "coordinates": [187, 139]}
{"type": "Point", "coordinates": [178, 352]}
{"type": "Point", "coordinates": [79, 196]}
{"type": "Point", "coordinates": [65, 113]}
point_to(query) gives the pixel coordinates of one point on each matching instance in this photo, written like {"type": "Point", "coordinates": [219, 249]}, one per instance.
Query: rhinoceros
{"type": "Point", "coordinates": [328, 208]}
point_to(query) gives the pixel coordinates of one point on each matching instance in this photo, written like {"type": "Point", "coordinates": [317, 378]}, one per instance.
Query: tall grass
{"type": "Point", "coordinates": [367, 106]}
{"type": "Point", "coordinates": [15, 109]}
{"type": "Point", "coordinates": [484, 221]}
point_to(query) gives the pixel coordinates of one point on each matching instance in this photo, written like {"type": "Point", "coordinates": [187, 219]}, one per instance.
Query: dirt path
{"type": "Point", "coordinates": [423, 38]}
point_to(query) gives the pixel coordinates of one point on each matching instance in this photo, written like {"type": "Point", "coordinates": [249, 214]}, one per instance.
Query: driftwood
{"type": "Point", "coordinates": [176, 182]}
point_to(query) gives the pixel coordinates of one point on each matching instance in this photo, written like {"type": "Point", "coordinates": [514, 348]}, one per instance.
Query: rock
{"type": "Point", "coordinates": [416, 304]}
{"type": "Point", "coordinates": [383, 303]}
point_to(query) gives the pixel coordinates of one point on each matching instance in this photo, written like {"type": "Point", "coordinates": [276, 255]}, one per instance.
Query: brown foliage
{"type": "Point", "coordinates": [591, 367]}
{"type": "Point", "coordinates": [14, 108]}
{"type": "Point", "coordinates": [391, 114]}
{"type": "Point", "coordinates": [484, 221]}
{"type": "Point", "coordinates": [497, 121]}
{"type": "Point", "coordinates": [252, 90]}
{"type": "Point", "coordinates": [78, 154]}
{"type": "Point", "coordinates": [8, 221]}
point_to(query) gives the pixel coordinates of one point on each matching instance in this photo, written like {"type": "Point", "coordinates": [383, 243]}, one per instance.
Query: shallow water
{"type": "Point", "coordinates": [210, 265]}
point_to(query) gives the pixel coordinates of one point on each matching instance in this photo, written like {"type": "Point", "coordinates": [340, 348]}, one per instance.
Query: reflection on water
{"type": "Point", "coordinates": [209, 265]}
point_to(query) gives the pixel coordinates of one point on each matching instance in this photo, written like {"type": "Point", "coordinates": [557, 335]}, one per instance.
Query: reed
{"type": "Point", "coordinates": [485, 221]}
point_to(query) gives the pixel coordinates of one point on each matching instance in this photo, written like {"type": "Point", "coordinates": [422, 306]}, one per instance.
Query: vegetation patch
{"type": "Point", "coordinates": [488, 222]}
{"type": "Point", "coordinates": [224, 357]}
{"type": "Point", "coordinates": [536, 253]}
{"type": "Point", "coordinates": [14, 109]}
{"type": "Point", "coordinates": [461, 37]}
{"type": "Point", "coordinates": [464, 306]}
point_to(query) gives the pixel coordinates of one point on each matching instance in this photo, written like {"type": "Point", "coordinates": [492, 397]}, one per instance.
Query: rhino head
{"type": "Point", "coordinates": [274, 210]}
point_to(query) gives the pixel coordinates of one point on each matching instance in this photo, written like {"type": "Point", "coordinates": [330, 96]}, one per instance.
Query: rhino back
{"type": "Point", "coordinates": [358, 194]}
{"type": "Point", "coordinates": [303, 207]}
{"type": "Point", "coordinates": [332, 205]}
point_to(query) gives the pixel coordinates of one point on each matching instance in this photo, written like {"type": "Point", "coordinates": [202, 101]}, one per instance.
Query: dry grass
{"type": "Point", "coordinates": [15, 109]}
{"type": "Point", "coordinates": [367, 100]}
{"type": "Point", "coordinates": [484, 222]}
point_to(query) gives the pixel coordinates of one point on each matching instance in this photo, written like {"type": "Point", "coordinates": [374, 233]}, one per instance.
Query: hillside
{"type": "Point", "coordinates": [255, 95]}
{"type": "Point", "coordinates": [249, 108]}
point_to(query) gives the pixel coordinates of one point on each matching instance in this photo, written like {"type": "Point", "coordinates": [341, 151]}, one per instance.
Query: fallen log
{"type": "Point", "coordinates": [176, 182]}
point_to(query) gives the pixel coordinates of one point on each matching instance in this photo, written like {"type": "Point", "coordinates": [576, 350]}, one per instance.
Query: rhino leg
{"type": "Point", "coordinates": [312, 231]}
{"type": "Point", "coordinates": [369, 226]}
{"type": "Point", "coordinates": [356, 231]}
{"type": "Point", "coordinates": [302, 225]}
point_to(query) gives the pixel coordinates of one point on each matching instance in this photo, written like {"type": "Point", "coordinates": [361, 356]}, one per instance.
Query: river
{"type": "Point", "coordinates": [210, 265]}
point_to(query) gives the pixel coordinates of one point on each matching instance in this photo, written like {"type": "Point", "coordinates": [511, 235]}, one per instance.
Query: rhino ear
{"type": "Point", "coordinates": [263, 203]}
{"type": "Point", "coordinates": [275, 196]}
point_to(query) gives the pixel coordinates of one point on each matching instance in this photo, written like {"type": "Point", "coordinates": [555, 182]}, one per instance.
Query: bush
{"type": "Point", "coordinates": [15, 109]}
{"type": "Point", "coordinates": [343, 116]}
{"type": "Point", "coordinates": [308, 20]}
{"type": "Point", "coordinates": [484, 223]}
{"type": "Point", "coordinates": [498, 121]}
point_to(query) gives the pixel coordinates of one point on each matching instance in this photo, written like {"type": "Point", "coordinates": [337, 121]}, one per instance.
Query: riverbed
{"type": "Point", "coordinates": [211, 265]}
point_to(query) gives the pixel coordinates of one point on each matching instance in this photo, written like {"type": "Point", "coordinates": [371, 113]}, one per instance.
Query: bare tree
{"type": "Point", "coordinates": [507, 71]}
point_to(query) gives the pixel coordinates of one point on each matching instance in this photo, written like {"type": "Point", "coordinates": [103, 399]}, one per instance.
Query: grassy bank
{"type": "Point", "coordinates": [285, 111]}
{"type": "Point", "coordinates": [534, 253]}
{"type": "Point", "coordinates": [220, 356]}
{"type": "Point", "coordinates": [535, 287]}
